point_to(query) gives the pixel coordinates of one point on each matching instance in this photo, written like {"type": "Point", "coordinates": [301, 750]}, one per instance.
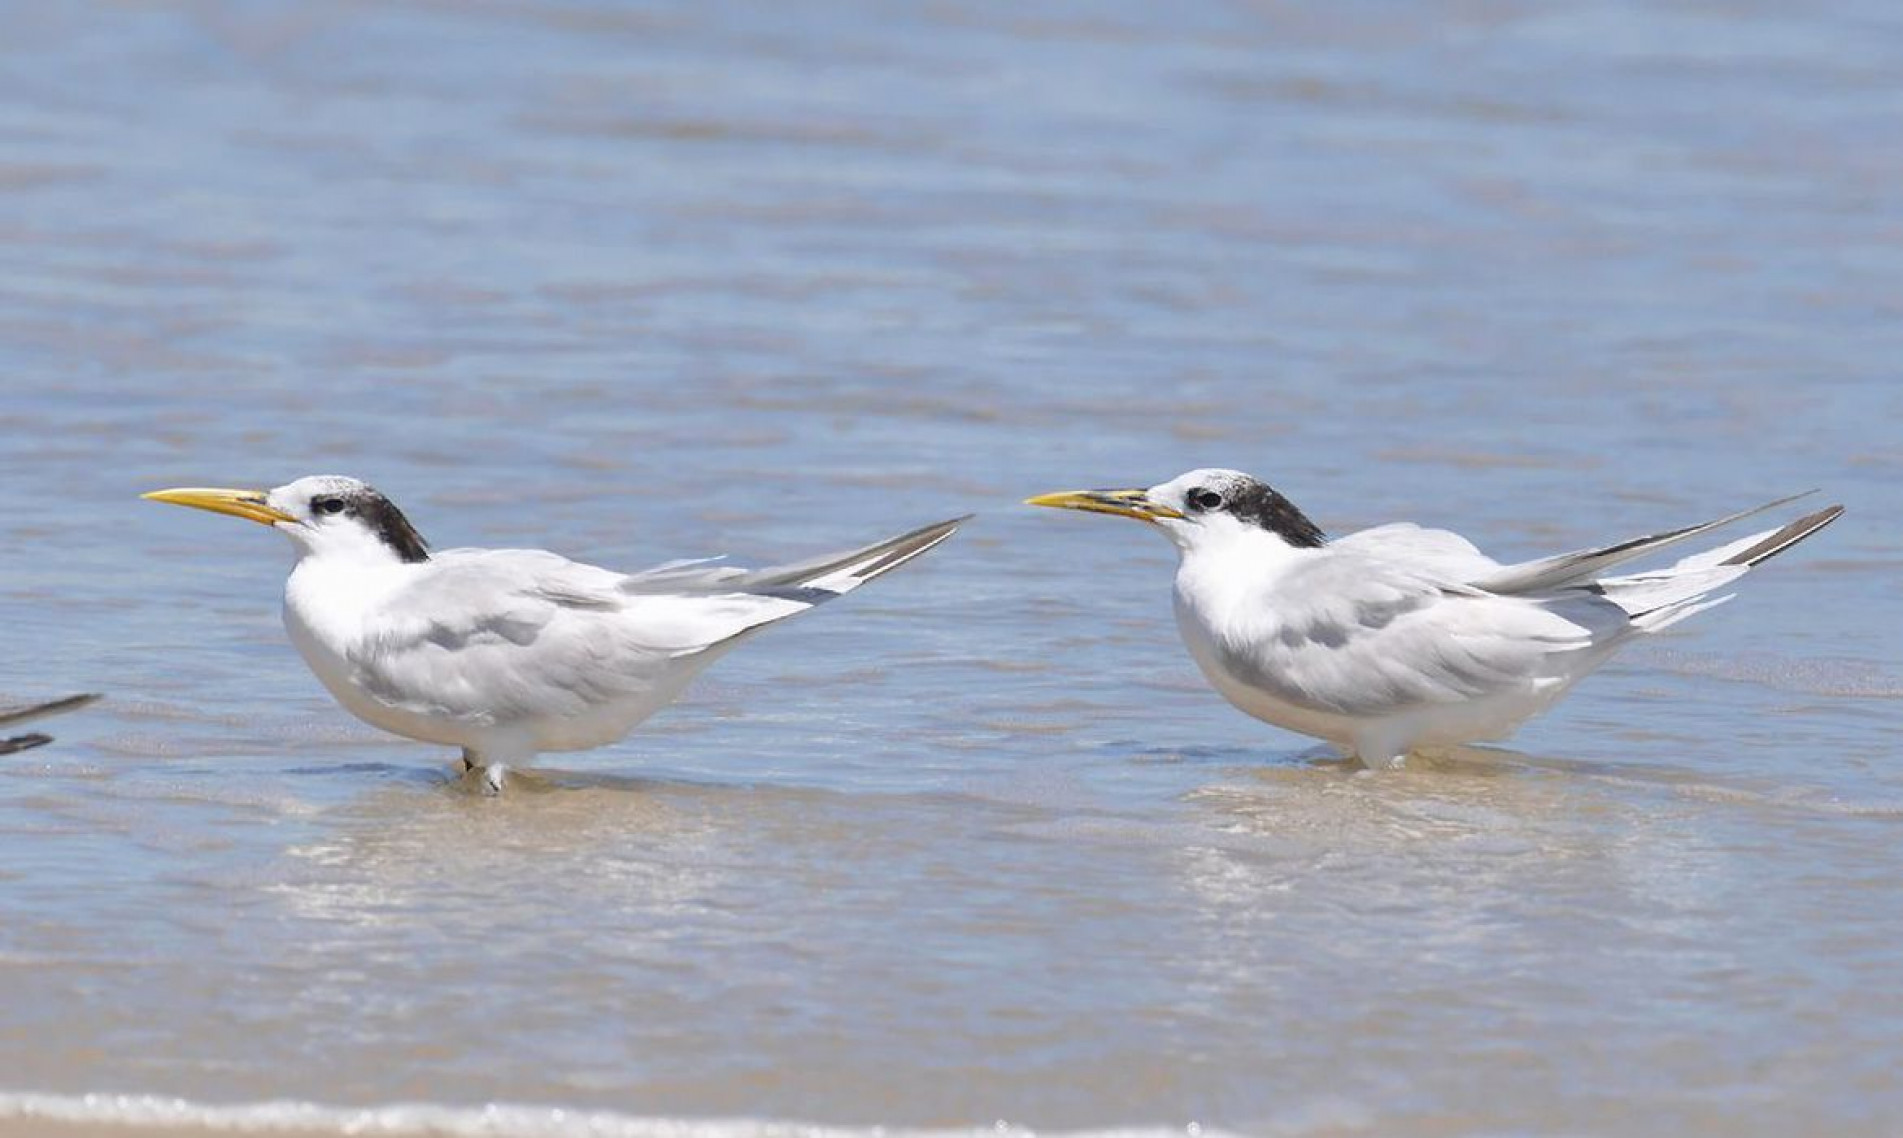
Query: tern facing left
{"type": "Point", "coordinates": [1398, 638]}
{"type": "Point", "coordinates": [509, 652]}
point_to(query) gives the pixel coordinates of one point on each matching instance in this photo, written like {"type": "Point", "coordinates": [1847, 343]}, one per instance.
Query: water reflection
{"type": "Point", "coordinates": [556, 842]}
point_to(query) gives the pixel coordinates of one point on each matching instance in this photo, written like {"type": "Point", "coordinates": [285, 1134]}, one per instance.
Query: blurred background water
{"type": "Point", "coordinates": [638, 282]}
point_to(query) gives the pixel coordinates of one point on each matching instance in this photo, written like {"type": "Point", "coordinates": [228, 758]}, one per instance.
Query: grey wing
{"type": "Point", "coordinates": [1359, 637]}
{"type": "Point", "coordinates": [495, 635]}
{"type": "Point", "coordinates": [1437, 552]}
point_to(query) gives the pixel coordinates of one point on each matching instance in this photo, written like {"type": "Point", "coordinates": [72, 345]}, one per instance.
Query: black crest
{"type": "Point", "coordinates": [1257, 504]}
{"type": "Point", "coordinates": [388, 523]}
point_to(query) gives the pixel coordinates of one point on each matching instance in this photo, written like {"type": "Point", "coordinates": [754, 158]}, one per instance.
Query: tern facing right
{"type": "Point", "coordinates": [1398, 639]}
{"type": "Point", "coordinates": [509, 652]}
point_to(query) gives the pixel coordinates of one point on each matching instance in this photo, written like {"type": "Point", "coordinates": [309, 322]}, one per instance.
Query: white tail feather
{"type": "Point", "coordinates": [1663, 618]}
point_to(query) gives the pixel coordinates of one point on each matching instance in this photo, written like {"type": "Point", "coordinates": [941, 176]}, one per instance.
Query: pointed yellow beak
{"type": "Point", "coordinates": [1123, 503]}
{"type": "Point", "coordinates": [247, 504]}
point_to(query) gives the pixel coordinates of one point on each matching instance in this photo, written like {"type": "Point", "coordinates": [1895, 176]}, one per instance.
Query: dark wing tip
{"type": "Point", "coordinates": [906, 546]}
{"type": "Point", "coordinates": [1784, 538]}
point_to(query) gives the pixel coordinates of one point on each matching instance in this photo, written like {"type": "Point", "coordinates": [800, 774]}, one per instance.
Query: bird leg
{"type": "Point", "coordinates": [492, 775]}
{"type": "Point", "coordinates": [1380, 751]}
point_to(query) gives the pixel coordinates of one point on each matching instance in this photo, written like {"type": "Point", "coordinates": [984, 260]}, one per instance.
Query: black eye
{"type": "Point", "coordinates": [328, 505]}
{"type": "Point", "coordinates": [1205, 499]}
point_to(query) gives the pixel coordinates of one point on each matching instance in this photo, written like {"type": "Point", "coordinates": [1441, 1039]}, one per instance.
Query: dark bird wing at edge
{"type": "Point", "coordinates": [21, 715]}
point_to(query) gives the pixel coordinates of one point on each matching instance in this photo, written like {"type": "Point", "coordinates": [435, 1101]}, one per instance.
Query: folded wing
{"type": "Point", "coordinates": [494, 635]}
{"type": "Point", "coordinates": [1365, 637]}
{"type": "Point", "coordinates": [1398, 617]}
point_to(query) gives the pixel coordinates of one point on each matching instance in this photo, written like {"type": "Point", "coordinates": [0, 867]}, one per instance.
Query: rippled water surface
{"type": "Point", "coordinates": [975, 844]}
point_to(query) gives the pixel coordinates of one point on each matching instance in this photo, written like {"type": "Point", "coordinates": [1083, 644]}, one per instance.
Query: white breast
{"type": "Point", "coordinates": [327, 609]}
{"type": "Point", "coordinates": [1212, 593]}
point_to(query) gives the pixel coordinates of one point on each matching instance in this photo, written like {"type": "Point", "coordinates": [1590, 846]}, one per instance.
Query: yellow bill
{"type": "Point", "coordinates": [247, 504]}
{"type": "Point", "coordinates": [1123, 503]}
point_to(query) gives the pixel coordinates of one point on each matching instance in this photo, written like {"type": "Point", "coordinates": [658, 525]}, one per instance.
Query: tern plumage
{"type": "Point", "coordinates": [506, 653]}
{"type": "Point", "coordinates": [1401, 638]}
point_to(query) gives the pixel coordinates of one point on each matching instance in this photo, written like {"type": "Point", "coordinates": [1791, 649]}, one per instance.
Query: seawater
{"type": "Point", "coordinates": [973, 845]}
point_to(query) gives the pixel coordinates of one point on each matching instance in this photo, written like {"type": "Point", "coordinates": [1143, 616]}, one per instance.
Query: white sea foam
{"type": "Point", "coordinates": [158, 1114]}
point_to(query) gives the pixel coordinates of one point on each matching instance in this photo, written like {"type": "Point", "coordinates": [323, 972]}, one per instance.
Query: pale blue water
{"type": "Point", "coordinates": [976, 844]}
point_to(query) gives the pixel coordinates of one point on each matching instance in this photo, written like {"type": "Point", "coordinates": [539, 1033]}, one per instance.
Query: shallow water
{"type": "Point", "coordinates": [975, 844]}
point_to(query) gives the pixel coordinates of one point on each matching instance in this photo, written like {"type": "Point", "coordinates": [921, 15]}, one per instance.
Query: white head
{"type": "Point", "coordinates": [1203, 508]}
{"type": "Point", "coordinates": [324, 515]}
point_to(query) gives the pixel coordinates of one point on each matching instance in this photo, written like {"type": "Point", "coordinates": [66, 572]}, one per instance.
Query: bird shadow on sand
{"type": "Point", "coordinates": [1501, 778]}
{"type": "Point", "coordinates": [554, 780]}
{"type": "Point", "coordinates": [451, 779]}
{"type": "Point", "coordinates": [1146, 754]}
{"type": "Point", "coordinates": [414, 774]}
{"type": "Point", "coordinates": [1451, 764]}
